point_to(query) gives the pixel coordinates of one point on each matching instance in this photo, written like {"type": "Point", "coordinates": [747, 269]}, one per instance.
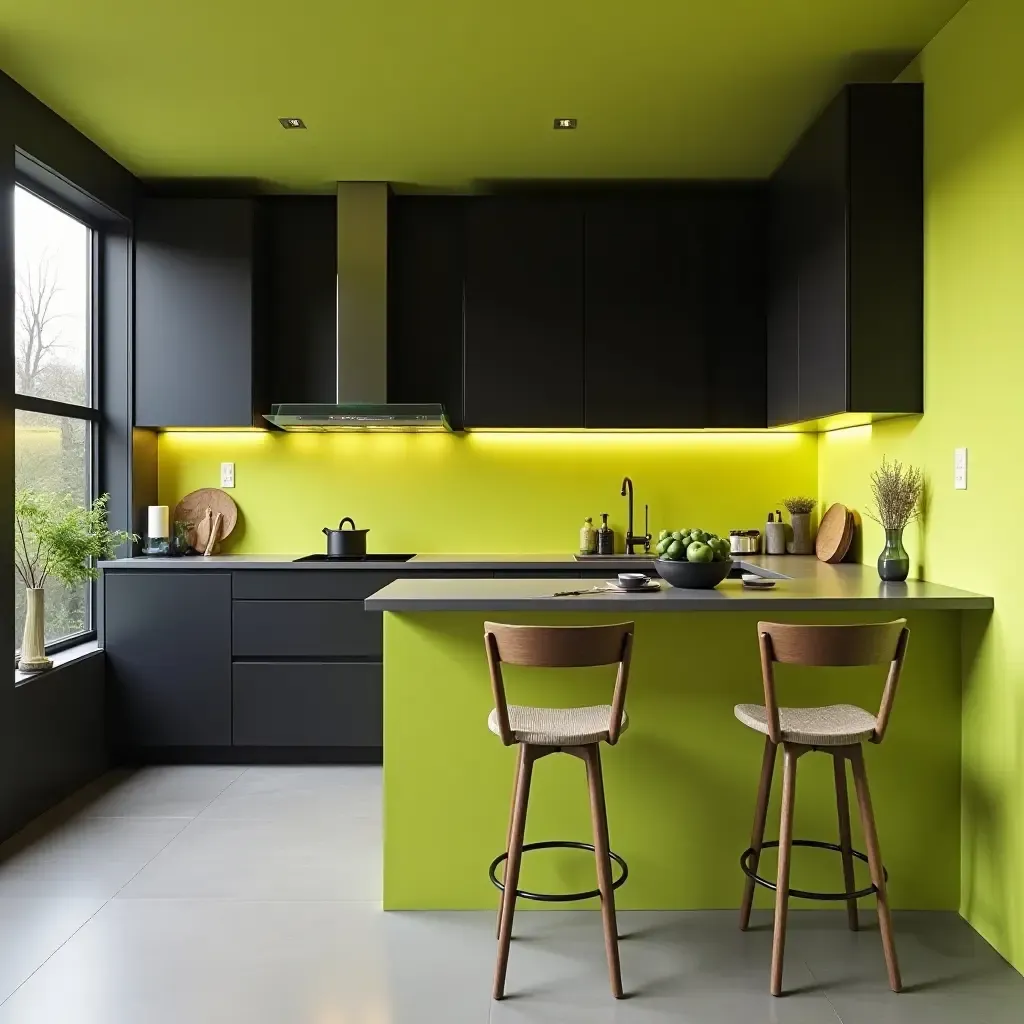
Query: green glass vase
{"type": "Point", "coordinates": [894, 562]}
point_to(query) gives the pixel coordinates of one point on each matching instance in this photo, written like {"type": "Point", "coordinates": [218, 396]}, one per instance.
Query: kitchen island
{"type": "Point", "coordinates": [681, 783]}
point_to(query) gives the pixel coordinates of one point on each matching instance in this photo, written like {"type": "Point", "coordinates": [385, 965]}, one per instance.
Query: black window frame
{"type": "Point", "coordinates": [84, 212]}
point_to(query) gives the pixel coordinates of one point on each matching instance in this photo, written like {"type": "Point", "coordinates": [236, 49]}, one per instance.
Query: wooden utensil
{"type": "Point", "coordinates": [211, 543]}
{"type": "Point", "coordinates": [193, 507]}
{"type": "Point", "coordinates": [835, 534]}
{"type": "Point", "coordinates": [203, 529]}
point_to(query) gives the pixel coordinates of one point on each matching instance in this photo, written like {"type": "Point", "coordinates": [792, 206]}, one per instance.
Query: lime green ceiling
{"type": "Point", "coordinates": [449, 92]}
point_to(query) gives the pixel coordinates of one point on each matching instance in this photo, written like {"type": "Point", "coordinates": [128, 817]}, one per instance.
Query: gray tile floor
{"type": "Point", "coordinates": [194, 895]}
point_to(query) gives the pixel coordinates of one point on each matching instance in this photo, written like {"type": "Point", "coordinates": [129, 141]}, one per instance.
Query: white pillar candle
{"type": "Point", "coordinates": [159, 521]}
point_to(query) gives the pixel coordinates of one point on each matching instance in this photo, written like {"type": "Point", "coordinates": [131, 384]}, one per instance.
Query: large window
{"type": "Point", "coordinates": [55, 278]}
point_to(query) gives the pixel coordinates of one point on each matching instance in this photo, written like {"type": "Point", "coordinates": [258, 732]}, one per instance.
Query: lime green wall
{"type": "Point", "coordinates": [974, 223]}
{"type": "Point", "coordinates": [681, 782]}
{"type": "Point", "coordinates": [488, 492]}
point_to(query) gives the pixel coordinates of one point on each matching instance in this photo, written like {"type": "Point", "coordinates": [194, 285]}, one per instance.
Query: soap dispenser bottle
{"type": "Point", "coordinates": [588, 537]}
{"type": "Point", "coordinates": [605, 537]}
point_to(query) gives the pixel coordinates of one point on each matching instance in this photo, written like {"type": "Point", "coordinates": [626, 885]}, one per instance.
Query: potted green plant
{"type": "Point", "coordinates": [800, 509]}
{"type": "Point", "coordinates": [896, 496]}
{"type": "Point", "coordinates": [56, 538]}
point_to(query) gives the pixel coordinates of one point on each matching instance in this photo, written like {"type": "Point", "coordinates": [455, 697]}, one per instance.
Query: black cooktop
{"type": "Point", "coordinates": [354, 558]}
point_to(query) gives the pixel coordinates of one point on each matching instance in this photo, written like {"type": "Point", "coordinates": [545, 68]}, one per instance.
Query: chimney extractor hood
{"type": "Point", "coordinates": [362, 330]}
{"type": "Point", "coordinates": [350, 416]}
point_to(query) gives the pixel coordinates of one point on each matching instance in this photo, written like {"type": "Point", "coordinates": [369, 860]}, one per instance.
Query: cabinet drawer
{"type": "Point", "coordinates": [334, 584]}
{"type": "Point", "coordinates": [303, 704]}
{"type": "Point", "coordinates": [305, 629]}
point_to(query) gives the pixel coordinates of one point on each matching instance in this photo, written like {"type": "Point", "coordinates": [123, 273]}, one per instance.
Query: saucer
{"type": "Point", "coordinates": [646, 588]}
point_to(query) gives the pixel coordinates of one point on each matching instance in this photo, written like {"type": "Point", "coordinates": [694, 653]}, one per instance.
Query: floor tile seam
{"type": "Point", "coordinates": [87, 816]}
{"type": "Point", "coordinates": [54, 952]}
{"type": "Point", "coordinates": [286, 820]}
{"type": "Point", "coordinates": [355, 901]}
{"type": "Point", "coordinates": [822, 990]}
{"type": "Point", "coordinates": [188, 822]}
{"type": "Point", "coordinates": [255, 901]}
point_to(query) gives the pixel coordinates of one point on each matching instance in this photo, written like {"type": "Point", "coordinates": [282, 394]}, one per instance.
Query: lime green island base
{"type": "Point", "coordinates": [681, 782]}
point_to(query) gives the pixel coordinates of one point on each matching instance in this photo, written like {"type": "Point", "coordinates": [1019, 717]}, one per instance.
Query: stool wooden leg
{"type": "Point", "coordinates": [508, 834]}
{"type": "Point", "coordinates": [867, 817]}
{"type": "Point", "coordinates": [599, 817]}
{"type": "Point", "coordinates": [789, 759]}
{"type": "Point", "coordinates": [515, 854]}
{"type": "Point", "coordinates": [843, 805]}
{"type": "Point", "coordinates": [764, 792]}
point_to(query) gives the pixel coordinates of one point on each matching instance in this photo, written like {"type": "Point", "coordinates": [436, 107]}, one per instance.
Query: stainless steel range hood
{"type": "Point", "coordinates": [362, 330]}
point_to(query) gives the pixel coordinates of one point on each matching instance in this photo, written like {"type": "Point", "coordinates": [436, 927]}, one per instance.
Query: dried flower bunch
{"type": "Point", "coordinates": [896, 492]}
{"type": "Point", "coordinates": [799, 506]}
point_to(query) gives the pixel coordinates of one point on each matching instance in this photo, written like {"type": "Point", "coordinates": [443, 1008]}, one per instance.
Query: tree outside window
{"type": "Point", "coordinates": [53, 344]}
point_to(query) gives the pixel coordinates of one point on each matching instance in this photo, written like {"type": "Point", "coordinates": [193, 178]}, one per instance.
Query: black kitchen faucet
{"type": "Point", "coordinates": [631, 540]}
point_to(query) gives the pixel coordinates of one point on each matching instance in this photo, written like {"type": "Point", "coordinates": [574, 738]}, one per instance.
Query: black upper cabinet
{"type": "Point", "coordinates": [299, 303]}
{"type": "Point", "coordinates": [426, 259]}
{"type": "Point", "coordinates": [733, 290]}
{"type": "Point", "coordinates": [783, 374]}
{"type": "Point", "coordinates": [643, 309]}
{"type": "Point", "coordinates": [846, 314]}
{"type": "Point", "coordinates": [675, 323]}
{"type": "Point", "coordinates": [523, 324]}
{"type": "Point", "coordinates": [195, 359]}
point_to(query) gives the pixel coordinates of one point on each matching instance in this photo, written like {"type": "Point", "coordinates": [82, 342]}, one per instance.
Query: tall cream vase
{"type": "Point", "coordinates": [33, 643]}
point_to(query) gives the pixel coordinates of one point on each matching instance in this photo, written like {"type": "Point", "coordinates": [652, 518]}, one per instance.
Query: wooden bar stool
{"type": "Point", "coordinates": [839, 730]}
{"type": "Point", "coordinates": [541, 731]}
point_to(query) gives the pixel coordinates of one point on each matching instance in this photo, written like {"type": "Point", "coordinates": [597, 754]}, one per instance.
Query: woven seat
{"type": "Point", "coordinates": [835, 725]}
{"type": "Point", "coordinates": [555, 727]}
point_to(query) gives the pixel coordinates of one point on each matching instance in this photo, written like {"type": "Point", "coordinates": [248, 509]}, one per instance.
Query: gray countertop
{"type": "Point", "coordinates": [420, 563]}
{"type": "Point", "coordinates": [809, 585]}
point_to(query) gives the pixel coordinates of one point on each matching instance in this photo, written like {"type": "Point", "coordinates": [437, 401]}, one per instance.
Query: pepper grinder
{"type": "Point", "coordinates": [605, 537]}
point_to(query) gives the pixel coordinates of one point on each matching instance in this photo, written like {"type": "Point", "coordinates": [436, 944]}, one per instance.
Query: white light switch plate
{"type": "Point", "coordinates": [227, 474]}
{"type": "Point", "coordinates": [960, 469]}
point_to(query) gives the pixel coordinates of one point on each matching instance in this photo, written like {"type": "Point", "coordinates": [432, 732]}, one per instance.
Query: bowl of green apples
{"type": "Point", "coordinates": [692, 559]}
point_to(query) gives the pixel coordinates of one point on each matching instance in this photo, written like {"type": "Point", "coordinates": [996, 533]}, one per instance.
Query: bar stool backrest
{"type": "Point", "coordinates": [558, 647]}
{"type": "Point", "coordinates": [836, 646]}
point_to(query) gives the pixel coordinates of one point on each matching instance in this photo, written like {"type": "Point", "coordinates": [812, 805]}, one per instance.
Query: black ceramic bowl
{"type": "Point", "coordinates": [692, 575]}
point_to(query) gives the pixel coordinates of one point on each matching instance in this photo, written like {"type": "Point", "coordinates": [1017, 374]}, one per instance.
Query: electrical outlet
{"type": "Point", "coordinates": [227, 474]}
{"type": "Point", "coordinates": [960, 469]}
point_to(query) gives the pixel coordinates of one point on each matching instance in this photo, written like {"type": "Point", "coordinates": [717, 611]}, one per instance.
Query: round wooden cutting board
{"type": "Point", "coordinates": [192, 509]}
{"type": "Point", "coordinates": [835, 534]}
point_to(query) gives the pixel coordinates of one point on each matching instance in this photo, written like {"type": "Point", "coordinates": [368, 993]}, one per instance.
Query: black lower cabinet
{"type": "Point", "coordinates": [254, 666]}
{"type": "Point", "coordinates": [305, 629]}
{"type": "Point", "coordinates": [307, 704]}
{"type": "Point", "coordinates": [168, 645]}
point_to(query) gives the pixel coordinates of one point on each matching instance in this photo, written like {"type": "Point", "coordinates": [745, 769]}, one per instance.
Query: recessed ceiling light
{"type": "Point", "coordinates": [565, 122]}
{"type": "Point", "coordinates": [296, 122]}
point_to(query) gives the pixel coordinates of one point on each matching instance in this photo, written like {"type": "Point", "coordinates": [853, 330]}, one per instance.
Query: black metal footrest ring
{"type": "Point", "coordinates": [856, 894]}
{"type": "Point", "coordinates": [557, 897]}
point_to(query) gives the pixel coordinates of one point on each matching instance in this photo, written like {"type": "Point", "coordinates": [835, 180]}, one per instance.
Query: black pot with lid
{"type": "Point", "coordinates": [342, 543]}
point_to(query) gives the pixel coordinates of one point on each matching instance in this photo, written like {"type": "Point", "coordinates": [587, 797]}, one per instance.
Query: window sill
{"type": "Point", "coordinates": [68, 656]}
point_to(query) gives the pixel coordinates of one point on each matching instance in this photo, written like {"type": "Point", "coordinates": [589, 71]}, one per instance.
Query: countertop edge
{"type": "Point", "coordinates": [634, 605]}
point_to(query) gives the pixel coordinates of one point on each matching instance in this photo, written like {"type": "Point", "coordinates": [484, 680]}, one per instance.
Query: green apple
{"type": "Point", "coordinates": [699, 552]}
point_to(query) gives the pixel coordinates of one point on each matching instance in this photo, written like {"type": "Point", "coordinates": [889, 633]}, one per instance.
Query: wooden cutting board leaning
{"type": "Point", "coordinates": [211, 514]}
{"type": "Point", "coordinates": [835, 534]}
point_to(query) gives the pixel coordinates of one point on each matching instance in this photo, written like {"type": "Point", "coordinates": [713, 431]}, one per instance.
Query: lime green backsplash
{"type": "Point", "coordinates": [974, 306]}
{"type": "Point", "coordinates": [488, 492]}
